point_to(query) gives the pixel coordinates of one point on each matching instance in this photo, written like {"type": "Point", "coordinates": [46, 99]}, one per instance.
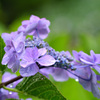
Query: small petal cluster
{"type": "Point", "coordinates": [5, 94]}
{"type": "Point", "coordinates": [18, 56]}
{"type": "Point", "coordinates": [34, 55]}
{"type": "Point", "coordinates": [92, 60]}
{"type": "Point", "coordinates": [86, 76]}
{"type": "Point", "coordinates": [35, 26]}
{"type": "Point", "coordinates": [31, 57]}
{"type": "Point", "coordinates": [14, 49]}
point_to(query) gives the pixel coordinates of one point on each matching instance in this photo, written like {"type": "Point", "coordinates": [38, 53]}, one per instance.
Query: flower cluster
{"type": "Point", "coordinates": [34, 55]}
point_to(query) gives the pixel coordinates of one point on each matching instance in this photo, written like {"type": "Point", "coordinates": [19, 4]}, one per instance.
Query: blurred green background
{"type": "Point", "coordinates": [75, 25]}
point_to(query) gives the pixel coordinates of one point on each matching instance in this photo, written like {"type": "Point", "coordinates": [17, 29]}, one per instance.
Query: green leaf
{"type": "Point", "coordinates": [2, 67]}
{"type": "Point", "coordinates": [39, 86]}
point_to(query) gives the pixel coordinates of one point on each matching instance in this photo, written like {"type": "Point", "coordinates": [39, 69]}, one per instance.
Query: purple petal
{"type": "Point", "coordinates": [6, 37]}
{"type": "Point", "coordinates": [85, 74]}
{"type": "Point", "coordinates": [97, 58]}
{"type": "Point", "coordinates": [16, 66]}
{"type": "Point", "coordinates": [30, 54]}
{"type": "Point", "coordinates": [33, 24]}
{"type": "Point", "coordinates": [25, 22]}
{"type": "Point", "coordinates": [5, 59]}
{"type": "Point", "coordinates": [21, 29]}
{"type": "Point", "coordinates": [76, 55]}
{"type": "Point", "coordinates": [19, 43]}
{"type": "Point", "coordinates": [98, 77]}
{"type": "Point", "coordinates": [85, 61]}
{"type": "Point", "coordinates": [34, 19]}
{"type": "Point", "coordinates": [68, 54]}
{"type": "Point", "coordinates": [35, 53]}
{"type": "Point", "coordinates": [7, 76]}
{"type": "Point", "coordinates": [29, 99]}
{"type": "Point", "coordinates": [25, 63]}
{"type": "Point", "coordinates": [95, 90]}
{"type": "Point", "coordinates": [43, 23]}
{"type": "Point", "coordinates": [30, 28]}
{"type": "Point", "coordinates": [42, 51]}
{"type": "Point", "coordinates": [94, 86]}
{"type": "Point", "coordinates": [93, 55]}
{"type": "Point", "coordinates": [46, 60]}
{"type": "Point", "coordinates": [29, 70]}
{"type": "Point", "coordinates": [43, 33]}
{"type": "Point", "coordinates": [85, 56]}
{"type": "Point", "coordinates": [97, 67]}
{"type": "Point", "coordinates": [12, 61]}
{"type": "Point", "coordinates": [60, 74]}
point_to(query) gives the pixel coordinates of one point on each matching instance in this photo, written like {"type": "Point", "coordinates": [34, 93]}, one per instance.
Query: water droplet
{"type": "Point", "coordinates": [42, 78]}
{"type": "Point", "coordinates": [10, 92]}
{"type": "Point", "coordinates": [11, 85]}
{"type": "Point", "coordinates": [76, 80]}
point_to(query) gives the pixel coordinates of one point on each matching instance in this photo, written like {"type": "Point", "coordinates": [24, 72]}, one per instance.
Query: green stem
{"type": "Point", "coordinates": [0, 77]}
{"type": "Point", "coordinates": [12, 89]}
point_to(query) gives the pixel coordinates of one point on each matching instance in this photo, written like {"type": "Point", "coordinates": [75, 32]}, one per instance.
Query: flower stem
{"type": "Point", "coordinates": [12, 89]}
{"type": "Point", "coordinates": [10, 81]}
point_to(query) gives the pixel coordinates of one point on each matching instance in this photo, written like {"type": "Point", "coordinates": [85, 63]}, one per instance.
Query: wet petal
{"type": "Point", "coordinates": [5, 59]}
{"type": "Point", "coordinates": [25, 22]}
{"type": "Point", "coordinates": [30, 28]}
{"type": "Point", "coordinates": [6, 37]}
{"type": "Point", "coordinates": [95, 90]}
{"type": "Point", "coordinates": [21, 29]}
{"type": "Point", "coordinates": [15, 66]}
{"type": "Point", "coordinates": [93, 55]}
{"type": "Point", "coordinates": [43, 33]}
{"type": "Point", "coordinates": [29, 70]}
{"type": "Point", "coordinates": [43, 23]}
{"type": "Point", "coordinates": [46, 60]}
{"type": "Point", "coordinates": [97, 67]}
{"type": "Point", "coordinates": [60, 74]}
{"type": "Point", "coordinates": [85, 61]}
{"type": "Point", "coordinates": [76, 55]}
{"type": "Point", "coordinates": [34, 19]}
{"type": "Point", "coordinates": [12, 61]}
{"type": "Point", "coordinates": [30, 54]}
{"type": "Point", "coordinates": [25, 63]}
{"type": "Point", "coordinates": [42, 51]}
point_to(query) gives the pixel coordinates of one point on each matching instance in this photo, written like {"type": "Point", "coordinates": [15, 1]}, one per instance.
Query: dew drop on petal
{"type": "Point", "coordinates": [77, 80]}
{"type": "Point", "coordinates": [11, 85]}
{"type": "Point", "coordinates": [10, 92]}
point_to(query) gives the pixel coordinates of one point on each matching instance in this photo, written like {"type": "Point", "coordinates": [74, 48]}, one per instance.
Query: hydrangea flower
{"type": "Point", "coordinates": [30, 59]}
{"type": "Point", "coordinates": [88, 79]}
{"type": "Point", "coordinates": [5, 94]}
{"type": "Point", "coordinates": [85, 60]}
{"type": "Point", "coordinates": [14, 50]}
{"type": "Point", "coordinates": [35, 26]}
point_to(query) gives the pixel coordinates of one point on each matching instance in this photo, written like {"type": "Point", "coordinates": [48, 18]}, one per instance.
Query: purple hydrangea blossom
{"type": "Point", "coordinates": [14, 49]}
{"type": "Point", "coordinates": [31, 56]}
{"type": "Point", "coordinates": [5, 94]}
{"type": "Point", "coordinates": [61, 65]}
{"type": "Point", "coordinates": [35, 26]}
{"type": "Point", "coordinates": [88, 61]}
{"type": "Point", "coordinates": [88, 79]}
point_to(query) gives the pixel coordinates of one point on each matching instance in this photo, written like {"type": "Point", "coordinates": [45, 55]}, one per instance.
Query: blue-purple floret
{"type": "Point", "coordinates": [34, 55]}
